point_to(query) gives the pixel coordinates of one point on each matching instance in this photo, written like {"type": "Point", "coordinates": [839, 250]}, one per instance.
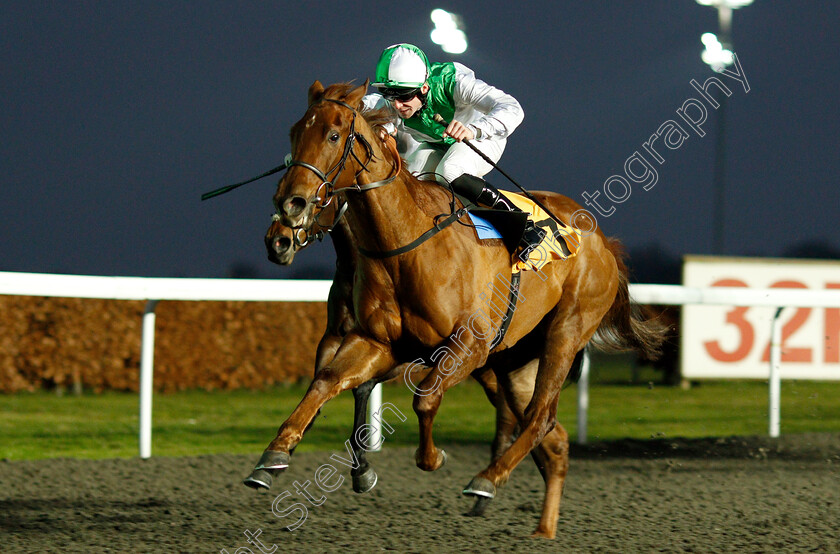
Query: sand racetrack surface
{"type": "Point", "coordinates": [714, 495]}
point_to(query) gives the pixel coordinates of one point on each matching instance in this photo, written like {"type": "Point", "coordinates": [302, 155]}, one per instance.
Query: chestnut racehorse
{"type": "Point", "coordinates": [428, 299]}
{"type": "Point", "coordinates": [281, 244]}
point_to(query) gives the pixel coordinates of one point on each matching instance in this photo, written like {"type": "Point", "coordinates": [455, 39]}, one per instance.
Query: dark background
{"type": "Point", "coordinates": [116, 117]}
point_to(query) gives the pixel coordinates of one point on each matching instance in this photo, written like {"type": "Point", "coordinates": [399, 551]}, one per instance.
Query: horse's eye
{"type": "Point", "coordinates": [334, 137]}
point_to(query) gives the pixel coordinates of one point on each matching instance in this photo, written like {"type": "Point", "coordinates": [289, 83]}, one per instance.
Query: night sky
{"type": "Point", "coordinates": [116, 117]}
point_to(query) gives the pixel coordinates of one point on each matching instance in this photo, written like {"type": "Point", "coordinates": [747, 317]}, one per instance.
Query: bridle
{"type": "Point", "coordinates": [326, 190]}
{"type": "Point", "coordinates": [328, 185]}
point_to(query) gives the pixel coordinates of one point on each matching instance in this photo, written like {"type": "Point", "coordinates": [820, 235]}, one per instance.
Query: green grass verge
{"type": "Point", "coordinates": [43, 425]}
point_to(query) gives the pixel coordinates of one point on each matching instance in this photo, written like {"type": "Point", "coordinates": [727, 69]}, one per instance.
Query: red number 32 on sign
{"type": "Point", "coordinates": [746, 333]}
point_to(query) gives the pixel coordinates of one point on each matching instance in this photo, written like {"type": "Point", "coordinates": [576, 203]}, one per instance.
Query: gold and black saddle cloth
{"type": "Point", "coordinates": [559, 242]}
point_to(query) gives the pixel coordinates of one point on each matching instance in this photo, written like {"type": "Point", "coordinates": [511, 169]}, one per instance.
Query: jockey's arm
{"type": "Point", "coordinates": [502, 112]}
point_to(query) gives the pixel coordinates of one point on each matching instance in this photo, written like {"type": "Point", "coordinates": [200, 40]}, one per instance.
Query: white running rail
{"type": "Point", "coordinates": [153, 290]}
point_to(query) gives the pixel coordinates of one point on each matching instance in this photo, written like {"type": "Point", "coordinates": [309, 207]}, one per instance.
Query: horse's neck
{"type": "Point", "coordinates": [390, 216]}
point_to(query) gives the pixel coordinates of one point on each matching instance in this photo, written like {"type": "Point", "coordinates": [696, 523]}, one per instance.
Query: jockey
{"type": "Point", "coordinates": [416, 91]}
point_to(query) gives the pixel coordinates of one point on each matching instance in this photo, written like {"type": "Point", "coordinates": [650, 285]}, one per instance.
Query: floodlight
{"type": "Point", "coordinates": [456, 42]}
{"type": "Point", "coordinates": [448, 32]}
{"type": "Point", "coordinates": [710, 41]}
{"type": "Point", "coordinates": [442, 18]}
{"type": "Point", "coordinates": [731, 4]}
{"type": "Point", "coordinates": [715, 54]}
{"type": "Point", "coordinates": [718, 53]}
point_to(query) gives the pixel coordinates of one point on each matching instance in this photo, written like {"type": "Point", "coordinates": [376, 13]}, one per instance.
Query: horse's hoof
{"type": "Point", "coordinates": [481, 503]}
{"type": "Point", "coordinates": [259, 479]}
{"type": "Point", "coordinates": [480, 486]}
{"type": "Point", "coordinates": [365, 481]}
{"type": "Point", "coordinates": [439, 462]}
{"type": "Point", "coordinates": [270, 463]}
{"type": "Point", "coordinates": [273, 459]}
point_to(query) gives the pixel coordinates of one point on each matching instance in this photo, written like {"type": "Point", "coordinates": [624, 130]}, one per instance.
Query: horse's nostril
{"type": "Point", "coordinates": [282, 244]}
{"type": "Point", "coordinates": [294, 206]}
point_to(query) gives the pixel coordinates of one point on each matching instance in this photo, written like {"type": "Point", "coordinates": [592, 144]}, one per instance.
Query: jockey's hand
{"type": "Point", "coordinates": [382, 132]}
{"type": "Point", "coordinates": [458, 131]}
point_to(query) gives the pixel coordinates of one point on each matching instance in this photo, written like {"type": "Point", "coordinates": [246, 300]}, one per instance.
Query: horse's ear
{"type": "Point", "coordinates": [316, 92]}
{"type": "Point", "coordinates": [354, 97]}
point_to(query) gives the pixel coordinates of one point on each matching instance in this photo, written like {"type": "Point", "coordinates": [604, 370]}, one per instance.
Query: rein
{"type": "Point", "coordinates": [329, 190]}
{"type": "Point", "coordinates": [438, 227]}
{"type": "Point", "coordinates": [229, 188]}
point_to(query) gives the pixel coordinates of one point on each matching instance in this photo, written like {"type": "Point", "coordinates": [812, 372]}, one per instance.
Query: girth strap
{"type": "Point", "coordinates": [514, 295]}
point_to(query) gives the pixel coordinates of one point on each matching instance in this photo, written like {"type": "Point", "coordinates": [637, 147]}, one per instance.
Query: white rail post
{"type": "Point", "coordinates": [775, 384]}
{"type": "Point", "coordinates": [147, 361]}
{"type": "Point", "coordinates": [374, 407]}
{"type": "Point", "coordinates": [583, 397]}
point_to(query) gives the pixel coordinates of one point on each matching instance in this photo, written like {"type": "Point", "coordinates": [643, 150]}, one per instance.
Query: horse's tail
{"type": "Point", "coordinates": [628, 326]}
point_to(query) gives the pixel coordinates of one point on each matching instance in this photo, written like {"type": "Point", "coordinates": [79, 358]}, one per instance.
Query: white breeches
{"type": "Point", "coordinates": [455, 161]}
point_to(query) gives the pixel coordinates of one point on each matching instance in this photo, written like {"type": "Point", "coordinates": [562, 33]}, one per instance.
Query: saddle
{"type": "Point", "coordinates": [559, 242]}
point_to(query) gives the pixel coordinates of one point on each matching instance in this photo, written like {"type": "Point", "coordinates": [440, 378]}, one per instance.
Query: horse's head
{"type": "Point", "coordinates": [326, 154]}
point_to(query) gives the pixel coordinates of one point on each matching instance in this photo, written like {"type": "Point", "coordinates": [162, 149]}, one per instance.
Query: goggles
{"type": "Point", "coordinates": [401, 94]}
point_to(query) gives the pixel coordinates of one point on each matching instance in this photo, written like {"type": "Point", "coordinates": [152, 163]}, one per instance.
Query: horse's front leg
{"type": "Point", "coordinates": [324, 354]}
{"type": "Point", "coordinates": [364, 476]}
{"type": "Point", "coordinates": [453, 362]}
{"type": "Point", "coordinates": [357, 361]}
{"type": "Point", "coordinates": [506, 424]}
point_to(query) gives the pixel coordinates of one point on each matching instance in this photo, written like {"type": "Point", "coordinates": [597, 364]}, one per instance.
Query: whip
{"type": "Point", "coordinates": [442, 121]}
{"type": "Point", "coordinates": [229, 188]}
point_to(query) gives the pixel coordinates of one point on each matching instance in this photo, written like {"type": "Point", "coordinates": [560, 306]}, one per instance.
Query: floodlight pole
{"type": "Point", "coordinates": [719, 217]}
{"type": "Point", "coordinates": [719, 211]}
{"type": "Point", "coordinates": [724, 9]}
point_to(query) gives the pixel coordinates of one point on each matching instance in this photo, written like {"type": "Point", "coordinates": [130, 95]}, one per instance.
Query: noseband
{"type": "Point", "coordinates": [307, 236]}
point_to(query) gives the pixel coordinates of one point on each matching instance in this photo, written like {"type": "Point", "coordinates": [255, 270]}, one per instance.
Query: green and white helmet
{"type": "Point", "coordinates": [402, 66]}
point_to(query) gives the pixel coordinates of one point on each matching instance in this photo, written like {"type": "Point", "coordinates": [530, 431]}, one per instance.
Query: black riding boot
{"type": "Point", "coordinates": [481, 192]}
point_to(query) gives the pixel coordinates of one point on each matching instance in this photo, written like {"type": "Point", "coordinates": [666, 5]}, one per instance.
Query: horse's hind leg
{"type": "Point", "coordinates": [551, 455]}
{"type": "Point", "coordinates": [552, 458]}
{"type": "Point", "coordinates": [506, 423]}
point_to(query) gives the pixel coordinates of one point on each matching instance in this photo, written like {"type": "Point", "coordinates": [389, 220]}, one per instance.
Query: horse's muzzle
{"type": "Point", "coordinates": [280, 249]}
{"type": "Point", "coordinates": [294, 205]}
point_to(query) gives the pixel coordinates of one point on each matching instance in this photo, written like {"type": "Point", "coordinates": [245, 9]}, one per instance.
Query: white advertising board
{"type": "Point", "coordinates": [719, 342]}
